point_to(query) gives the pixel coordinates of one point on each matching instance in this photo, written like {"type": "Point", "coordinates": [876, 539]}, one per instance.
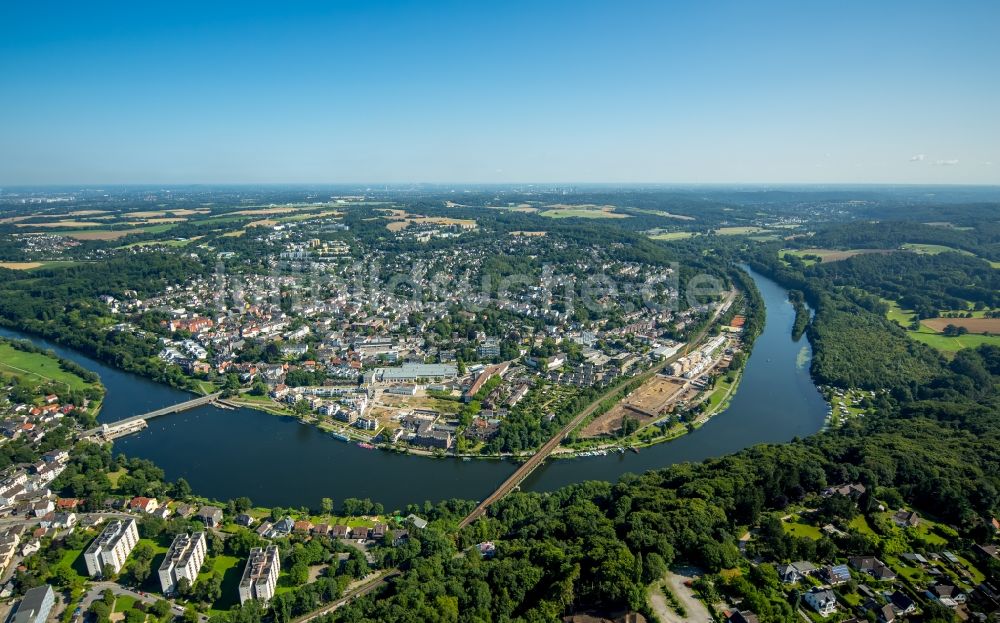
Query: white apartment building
{"type": "Point", "coordinates": [183, 560]}
{"type": "Point", "coordinates": [260, 576]}
{"type": "Point", "coordinates": [106, 555]}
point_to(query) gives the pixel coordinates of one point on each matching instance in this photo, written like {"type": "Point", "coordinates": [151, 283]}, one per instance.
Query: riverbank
{"type": "Point", "coordinates": [22, 360]}
{"type": "Point", "coordinates": [636, 440]}
{"type": "Point", "coordinates": [298, 463]}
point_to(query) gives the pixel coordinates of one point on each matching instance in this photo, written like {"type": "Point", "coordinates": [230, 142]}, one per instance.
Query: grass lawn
{"type": "Point", "coordinates": [334, 520]}
{"type": "Point", "coordinates": [977, 576]}
{"type": "Point", "coordinates": [115, 476]}
{"type": "Point", "coordinates": [860, 524]}
{"type": "Point", "coordinates": [37, 366]}
{"type": "Point", "coordinates": [73, 560]}
{"type": "Point", "coordinates": [123, 603]}
{"type": "Point", "coordinates": [206, 388]}
{"type": "Point", "coordinates": [231, 568]}
{"type": "Point", "coordinates": [248, 397]}
{"type": "Point", "coordinates": [915, 576]}
{"type": "Point", "coordinates": [928, 532]}
{"type": "Point", "coordinates": [851, 599]}
{"type": "Point", "coordinates": [802, 530]}
{"type": "Point", "coordinates": [719, 394]}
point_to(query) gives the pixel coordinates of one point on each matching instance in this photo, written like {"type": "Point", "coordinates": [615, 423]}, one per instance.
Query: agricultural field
{"type": "Point", "coordinates": [948, 345]}
{"type": "Point", "coordinates": [932, 249]}
{"type": "Point", "coordinates": [935, 249]}
{"type": "Point", "coordinates": [35, 265]}
{"type": "Point", "coordinates": [664, 214]}
{"type": "Point", "coordinates": [585, 210]}
{"type": "Point", "coordinates": [173, 242]}
{"type": "Point", "coordinates": [827, 255]}
{"type": "Point", "coordinates": [973, 325]}
{"type": "Point", "coordinates": [740, 231]}
{"type": "Point", "coordinates": [64, 223]}
{"type": "Point", "coordinates": [673, 235]}
{"type": "Point", "coordinates": [401, 219]}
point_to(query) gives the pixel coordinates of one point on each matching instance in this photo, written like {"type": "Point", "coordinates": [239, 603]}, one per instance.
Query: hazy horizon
{"type": "Point", "coordinates": [776, 93]}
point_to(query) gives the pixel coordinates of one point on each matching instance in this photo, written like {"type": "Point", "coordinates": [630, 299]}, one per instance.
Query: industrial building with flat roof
{"type": "Point", "coordinates": [409, 372]}
{"type": "Point", "coordinates": [183, 561]}
{"type": "Point", "coordinates": [106, 555]}
{"type": "Point", "coordinates": [260, 576]}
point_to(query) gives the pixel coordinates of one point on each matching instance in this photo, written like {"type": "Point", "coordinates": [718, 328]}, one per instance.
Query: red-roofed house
{"type": "Point", "coordinates": [145, 505]}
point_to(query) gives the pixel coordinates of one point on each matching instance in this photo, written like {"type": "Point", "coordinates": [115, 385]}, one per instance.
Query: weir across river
{"type": "Point", "coordinates": [138, 422]}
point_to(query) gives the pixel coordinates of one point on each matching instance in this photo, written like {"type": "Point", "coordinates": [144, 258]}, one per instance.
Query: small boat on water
{"type": "Point", "coordinates": [634, 449]}
{"type": "Point", "coordinates": [366, 446]}
{"type": "Point", "coordinates": [340, 436]}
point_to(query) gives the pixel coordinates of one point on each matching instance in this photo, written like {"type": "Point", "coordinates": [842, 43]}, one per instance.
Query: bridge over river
{"type": "Point", "coordinates": [138, 422]}
{"type": "Point", "coordinates": [550, 446]}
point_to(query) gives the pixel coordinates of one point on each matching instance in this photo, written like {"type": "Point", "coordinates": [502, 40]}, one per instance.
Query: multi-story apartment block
{"type": "Point", "coordinates": [35, 606]}
{"type": "Point", "coordinates": [106, 555]}
{"type": "Point", "coordinates": [260, 576]}
{"type": "Point", "coordinates": [183, 561]}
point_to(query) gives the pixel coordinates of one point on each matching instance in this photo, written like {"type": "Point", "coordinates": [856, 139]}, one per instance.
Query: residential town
{"type": "Point", "coordinates": [413, 358]}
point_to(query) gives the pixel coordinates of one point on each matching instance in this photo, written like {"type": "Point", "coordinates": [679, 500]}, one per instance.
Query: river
{"type": "Point", "coordinates": [280, 461]}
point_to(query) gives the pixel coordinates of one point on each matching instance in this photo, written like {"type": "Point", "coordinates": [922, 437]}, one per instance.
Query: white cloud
{"type": "Point", "coordinates": [946, 163]}
{"type": "Point", "coordinates": [918, 158]}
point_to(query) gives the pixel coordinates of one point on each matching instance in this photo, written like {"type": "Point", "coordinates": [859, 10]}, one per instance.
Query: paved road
{"type": "Point", "coordinates": [21, 520]}
{"type": "Point", "coordinates": [97, 588]}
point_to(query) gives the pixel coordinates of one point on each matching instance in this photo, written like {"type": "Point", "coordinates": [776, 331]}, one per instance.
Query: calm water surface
{"type": "Point", "coordinates": [279, 461]}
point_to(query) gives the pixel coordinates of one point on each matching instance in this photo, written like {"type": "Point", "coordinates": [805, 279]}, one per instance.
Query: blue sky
{"type": "Point", "coordinates": [694, 92]}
